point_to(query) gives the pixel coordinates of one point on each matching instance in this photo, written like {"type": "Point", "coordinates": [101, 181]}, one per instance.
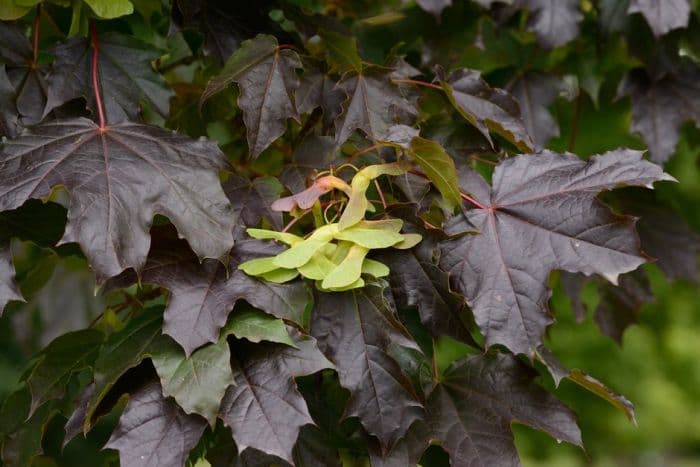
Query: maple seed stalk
{"type": "Point", "coordinates": [95, 81]}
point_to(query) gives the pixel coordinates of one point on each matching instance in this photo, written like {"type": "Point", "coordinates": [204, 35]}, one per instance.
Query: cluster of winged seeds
{"type": "Point", "coordinates": [335, 253]}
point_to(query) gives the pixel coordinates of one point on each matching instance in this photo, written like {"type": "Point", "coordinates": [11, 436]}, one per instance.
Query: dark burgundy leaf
{"type": "Point", "coordinates": [153, 431]}
{"type": "Point", "coordinates": [254, 458]}
{"type": "Point", "coordinates": [314, 154]}
{"type": "Point", "coordinates": [402, 136]}
{"type": "Point", "coordinates": [223, 23]}
{"type": "Point", "coordinates": [480, 397]}
{"type": "Point", "coordinates": [15, 48]}
{"type": "Point", "coordinates": [74, 425]}
{"type": "Point", "coordinates": [9, 118]}
{"type": "Point", "coordinates": [535, 92]}
{"type": "Point", "coordinates": [321, 444]}
{"type": "Point", "coordinates": [374, 104]}
{"type": "Point", "coordinates": [434, 7]}
{"type": "Point", "coordinates": [263, 407]}
{"type": "Point", "coordinates": [619, 307]}
{"type": "Point", "coordinates": [310, 451]}
{"type": "Point", "coordinates": [485, 107]}
{"type": "Point", "coordinates": [267, 80]}
{"type": "Point", "coordinates": [8, 288]}
{"type": "Point", "coordinates": [659, 107]}
{"type": "Point", "coordinates": [125, 73]}
{"type": "Point", "coordinates": [122, 353]}
{"type": "Point", "coordinates": [471, 411]}
{"type": "Point", "coordinates": [658, 227]}
{"type": "Point", "coordinates": [252, 199]}
{"type": "Point", "coordinates": [543, 207]}
{"type": "Point", "coordinates": [318, 90]}
{"type": "Point", "coordinates": [662, 16]}
{"type": "Point", "coordinates": [402, 70]}
{"type": "Point", "coordinates": [415, 188]}
{"type": "Point", "coordinates": [355, 330]}
{"type": "Point", "coordinates": [314, 448]}
{"type": "Point", "coordinates": [668, 238]}
{"type": "Point", "coordinates": [203, 294]}
{"type": "Point", "coordinates": [407, 452]}
{"type": "Point", "coordinates": [573, 285]}
{"type": "Point", "coordinates": [418, 282]}
{"type": "Point", "coordinates": [118, 178]}
{"type": "Point", "coordinates": [554, 22]}
{"type": "Point", "coordinates": [27, 79]}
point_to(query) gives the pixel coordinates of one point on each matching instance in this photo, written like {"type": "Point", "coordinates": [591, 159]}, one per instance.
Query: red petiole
{"type": "Point", "coordinates": [418, 83]}
{"type": "Point", "coordinates": [95, 77]}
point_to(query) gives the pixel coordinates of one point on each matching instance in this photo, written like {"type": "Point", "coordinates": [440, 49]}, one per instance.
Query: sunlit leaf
{"type": "Point", "coordinates": [263, 407]}
{"type": "Point", "coordinates": [543, 207]}
{"type": "Point", "coordinates": [662, 16]}
{"type": "Point", "coordinates": [118, 178]}
{"type": "Point", "coordinates": [267, 80]}
{"type": "Point", "coordinates": [153, 430]}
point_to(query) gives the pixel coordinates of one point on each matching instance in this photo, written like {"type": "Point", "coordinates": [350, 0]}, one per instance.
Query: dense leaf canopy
{"type": "Point", "coordinates": [289, 208]}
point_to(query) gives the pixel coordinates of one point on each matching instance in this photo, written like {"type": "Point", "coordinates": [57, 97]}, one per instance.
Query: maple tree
{"type": "Point", "coordinates": [290, 207]}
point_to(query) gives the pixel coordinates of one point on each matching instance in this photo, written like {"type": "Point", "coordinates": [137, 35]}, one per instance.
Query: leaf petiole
{"type": "Point", "coordinates": [464, 196]}
{"type": "Point", "coordinates": [95, 81]}
{"type": "Point", "coordinates": [37, 29]}
{"type": "Point", "coordinates": [417, 83]}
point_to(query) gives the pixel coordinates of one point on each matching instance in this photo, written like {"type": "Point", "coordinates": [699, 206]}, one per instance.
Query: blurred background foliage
{"type": "Point", "coordinates": [656, 366]}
